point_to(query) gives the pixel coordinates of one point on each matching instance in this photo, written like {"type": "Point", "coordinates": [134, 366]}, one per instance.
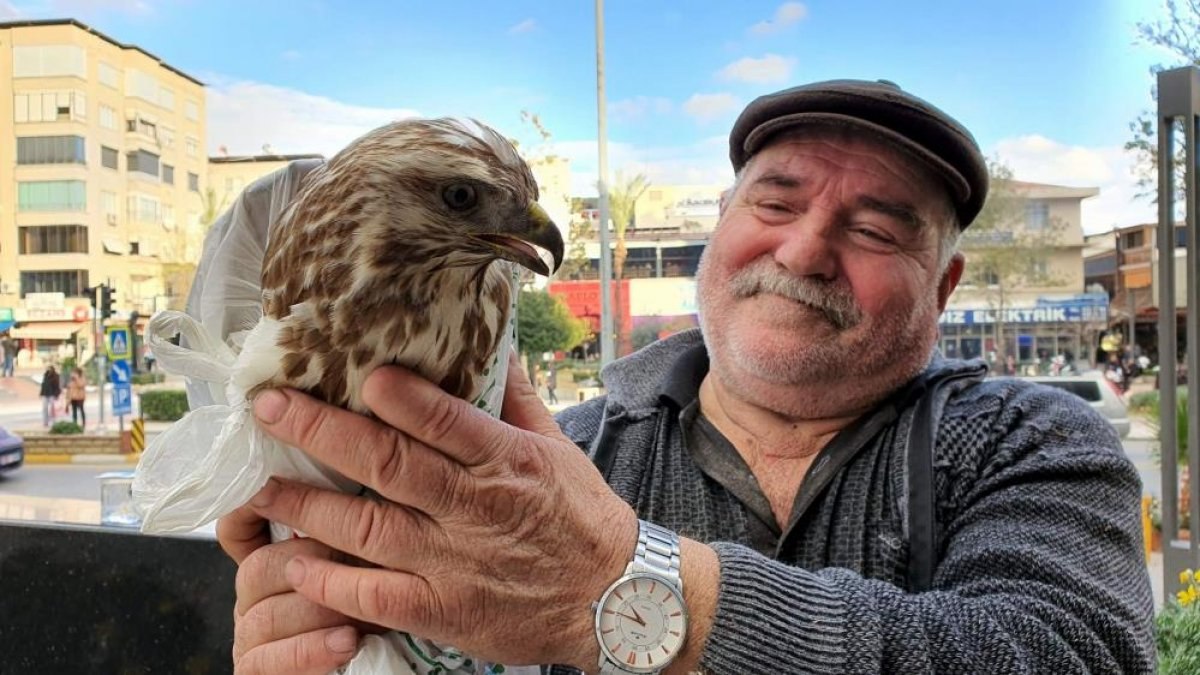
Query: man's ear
{"type": "Point", "coordinates": [726, 195]}
{"type": "Point", "coordinates": [950, 280]}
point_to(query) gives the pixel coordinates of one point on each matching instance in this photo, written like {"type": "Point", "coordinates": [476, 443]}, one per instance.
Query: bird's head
{"type": "Point", "coordinates": [446, 189]}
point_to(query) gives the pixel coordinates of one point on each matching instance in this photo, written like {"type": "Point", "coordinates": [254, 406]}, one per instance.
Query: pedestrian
{"type": "Point", "coordinates": [50, 391]}
{"type": "Point", "coordinates": [802, 485]}
{"type": "Point", "coordinates": [552, 384]}
{"type": "Point", "coordinates": [77, 395]}
{"type": "Point", "coordinates": [9, 347]}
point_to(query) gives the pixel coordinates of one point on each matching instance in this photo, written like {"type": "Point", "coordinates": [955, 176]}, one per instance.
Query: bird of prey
{"type": "Point", "coordinates": [392, 253]}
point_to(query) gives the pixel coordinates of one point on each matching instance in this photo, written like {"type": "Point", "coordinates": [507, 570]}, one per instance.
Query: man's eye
{"type": "Point", "coordinates": [874, 235]}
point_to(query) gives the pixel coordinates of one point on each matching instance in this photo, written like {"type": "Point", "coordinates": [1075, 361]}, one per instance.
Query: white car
{"type": "Point", "coordinates": [1097, 391]}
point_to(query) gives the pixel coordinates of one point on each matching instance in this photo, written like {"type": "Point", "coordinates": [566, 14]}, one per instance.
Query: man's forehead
{"type": "Point", "coordinates": [876, 164]}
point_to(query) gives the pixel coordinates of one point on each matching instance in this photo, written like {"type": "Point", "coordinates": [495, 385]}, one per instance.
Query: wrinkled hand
{"type": "Point", "coordinates": [497, 535]}
{"type": "Point", "coordinates": [277, 630]}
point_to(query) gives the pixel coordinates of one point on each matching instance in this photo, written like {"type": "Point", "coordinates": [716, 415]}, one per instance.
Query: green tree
{"type": "Point", "coordinates": [1003, 252]}
{"type": "Point", "coordinates": [544, 324]}
{"type": "Point", "coordinates": [622, 205]}
{"type": "Point", "coordinates": [1178, 33]}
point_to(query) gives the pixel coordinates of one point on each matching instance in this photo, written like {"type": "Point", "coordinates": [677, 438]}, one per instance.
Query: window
{"type": "Point", "coordinates": [49, 61]}
{"type": "Point", "coordinates": [168, 174]}
{"type": "Point", "coordinates": [1133, 239]}
{"type": "Point", "coordinates": [141, 85]}
{"type": "Point", "coordinates": [108, 206]}
{"type": "Point", "coordinates": [192, 146]}
{"type": "Point", "coordinates": [72, 283]}
{"type": "Point", "coordinates": [52, 195]}
{"type": "Point", "coordinates": [1037, 215]}
{"type": "Point", "coordinates": [191, 110]}
{"type": "Point", "coordinates": [50, 150]}
{"type": "Point", "coordinates": [166, 136]}
{"type": "Point", "coordinates": [142, 161]}
{"type": "Point", "coordinates": [234, 186]}
{"type": "Point", "coordinates": [143, 126]}
{"type": "Point", "coordinates": [193, 182]}
{"type": "Point", "coordinates": [144, 209]}
{"type": "Point", "coordinates": [108, 117]}
{"type": "Point", "coordinates": [109, 157]}
{"type": "Point", "coordinates": [168, 217]}
{"type": "Point", "coordinates": [1038, 270]}
{"type": "Point", "coordinates": [108, 76]}
{"type": "Point", "coordinates": [49, 106]}
{"type": "Point", "coordinates": [166, 98]}
{"type": "Point", "coordinates": [52, 239]}
{"type": "Point", "coordinates": [134, 248]}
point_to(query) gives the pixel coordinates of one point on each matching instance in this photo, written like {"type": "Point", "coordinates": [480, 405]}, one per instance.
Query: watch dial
{"type": "Point", "coordinates": [642, 623]}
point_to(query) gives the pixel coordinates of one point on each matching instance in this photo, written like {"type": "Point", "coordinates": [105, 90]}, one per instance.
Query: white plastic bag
{"type": "Point", "coordinates": [216, 458]}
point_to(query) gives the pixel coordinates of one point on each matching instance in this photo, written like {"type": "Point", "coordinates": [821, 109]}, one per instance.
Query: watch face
{"type": "Point", "coordinates": [641, 622]}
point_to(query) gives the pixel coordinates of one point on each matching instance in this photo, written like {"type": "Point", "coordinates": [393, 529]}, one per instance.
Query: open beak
{"type": "Point", "coordinates": [522, 244]}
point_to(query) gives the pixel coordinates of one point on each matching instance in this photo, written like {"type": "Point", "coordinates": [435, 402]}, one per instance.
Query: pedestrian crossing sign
{"type": "Point", "coordinates": [118, 342]}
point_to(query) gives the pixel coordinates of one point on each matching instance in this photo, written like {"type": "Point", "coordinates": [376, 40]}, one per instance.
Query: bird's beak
{"type": "Point", "coordinates": [538, 230]}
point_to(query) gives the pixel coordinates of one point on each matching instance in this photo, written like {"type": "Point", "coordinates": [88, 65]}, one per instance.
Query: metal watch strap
{"type": "Point", "coordinates": [657, 552]}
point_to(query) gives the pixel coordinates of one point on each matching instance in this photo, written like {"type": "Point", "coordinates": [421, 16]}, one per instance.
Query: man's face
{"type": "Point", "coordinates": [824, 268]}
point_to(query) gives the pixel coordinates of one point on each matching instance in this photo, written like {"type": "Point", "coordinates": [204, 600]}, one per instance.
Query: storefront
{"type": "Point", "coordinates": [50, 328]}
{"type": "Point", "coordinates": [1034, 335]}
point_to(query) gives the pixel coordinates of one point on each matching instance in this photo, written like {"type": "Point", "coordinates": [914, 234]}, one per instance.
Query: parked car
{"type": "Point", "coordinates": [12, 450]}
{"type": "Point", "coordinates": [1098, 391]}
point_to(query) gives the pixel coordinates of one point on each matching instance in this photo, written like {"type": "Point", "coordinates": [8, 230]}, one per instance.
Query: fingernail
{"type": "Point", "coordinates": [266, 495]}
{"type": "Point", "coordinates": [342, 641]}
{"type": "Point", "coordinates": [295, 571]}
{"type": "Point", "coordinates": [269, 406]}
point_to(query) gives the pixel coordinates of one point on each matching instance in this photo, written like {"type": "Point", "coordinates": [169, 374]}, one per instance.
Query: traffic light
{"type": "Point", "coordinates": [107, 296]}
{"type": "Point", "coordinates": [91, 291]}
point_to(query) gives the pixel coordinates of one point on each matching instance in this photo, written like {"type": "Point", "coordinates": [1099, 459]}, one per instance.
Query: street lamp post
{"type": "Point", "coordinates": [606, 309]}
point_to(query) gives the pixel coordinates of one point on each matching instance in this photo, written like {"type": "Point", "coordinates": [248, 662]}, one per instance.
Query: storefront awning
{"type": "Point", "coordinates": [48, 330]}
{"type": "Point", "coordinates": [5, 325]}
{"type": "Point", "coordinates": [114, 246]}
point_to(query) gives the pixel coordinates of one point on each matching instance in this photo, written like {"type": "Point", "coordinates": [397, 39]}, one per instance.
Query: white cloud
{"type": "Point", "coordinates": [8, 11]}
{"type": "Point", "coordinates": [526, 26]}
{"type": "Point", "coordinates": [291, 55]}
{"type": "Point", "coordinates": [243, 116]}
{"type": "Point", "coordinates": [1039, 159]}
{"type": "Point", "coordinates": [770, 68]}
{"type": "Point", "coordinates": [787, 14]}
{"type": "Point", "coordinates": [639, 106]}
{"type": "Point", "coordinates": [708, 107]}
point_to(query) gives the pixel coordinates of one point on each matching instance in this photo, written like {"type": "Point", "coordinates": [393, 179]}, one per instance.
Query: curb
{"type": "Point", "coordinates": [63, 458]}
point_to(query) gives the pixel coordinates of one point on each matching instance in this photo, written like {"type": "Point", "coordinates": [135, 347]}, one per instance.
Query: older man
{"type": "Point", "coordinates": [804, 485]}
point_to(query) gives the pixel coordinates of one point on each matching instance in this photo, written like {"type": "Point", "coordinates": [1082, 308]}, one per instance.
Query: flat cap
{"type": "Point", "coordinates": [882, 107]}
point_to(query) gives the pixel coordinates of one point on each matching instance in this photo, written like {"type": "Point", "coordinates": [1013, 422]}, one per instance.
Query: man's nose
{"type": "Point", "coordinates": [807, 246]}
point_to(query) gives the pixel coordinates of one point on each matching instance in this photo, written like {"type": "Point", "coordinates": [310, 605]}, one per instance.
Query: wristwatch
{"type": "Point", "coordinates": [641, 620]}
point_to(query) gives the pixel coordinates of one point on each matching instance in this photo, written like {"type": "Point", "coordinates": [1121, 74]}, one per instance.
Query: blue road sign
{"type": "Point", "coordinates": [118, 342]}
{"type": "Point", "coordinates": [120, 373]}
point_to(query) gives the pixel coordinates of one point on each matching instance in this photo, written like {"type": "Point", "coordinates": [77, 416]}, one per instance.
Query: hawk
{"type": "Point", "coordinates": [391, 253]}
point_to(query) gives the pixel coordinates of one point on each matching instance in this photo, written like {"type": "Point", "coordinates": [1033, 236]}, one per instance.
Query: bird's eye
{"type": "Point", "coordinates": [460, 196]}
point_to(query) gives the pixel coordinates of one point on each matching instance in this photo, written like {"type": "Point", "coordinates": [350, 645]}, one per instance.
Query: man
{"type": "Point", "coordinates": [9, 346]}
{"type": "Point", "coordinates": [818, 490]}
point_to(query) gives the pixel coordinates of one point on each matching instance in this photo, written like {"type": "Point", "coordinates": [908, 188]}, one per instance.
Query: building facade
{"type": "Point", "coordinates": [106, 144]}
{"type": "Point", "coordinates": [1036, 312]}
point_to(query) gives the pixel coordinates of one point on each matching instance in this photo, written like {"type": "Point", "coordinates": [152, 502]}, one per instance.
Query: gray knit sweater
{"type": "Point", "coordinates": [1040, 557]}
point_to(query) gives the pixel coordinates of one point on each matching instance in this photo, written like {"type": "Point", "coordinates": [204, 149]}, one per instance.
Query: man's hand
{"type": "Point", "coordinates": [497, 535]}
{"type": "Point", "coordinates": [277, 630]}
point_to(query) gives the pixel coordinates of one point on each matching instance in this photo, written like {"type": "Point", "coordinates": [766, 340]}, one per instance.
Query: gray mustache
{"type": "Point", "coordinates": [836, 304]}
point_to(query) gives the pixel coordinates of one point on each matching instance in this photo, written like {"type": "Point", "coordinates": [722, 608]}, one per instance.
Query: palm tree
{"type": "Point", "coordinates": [622, 204]}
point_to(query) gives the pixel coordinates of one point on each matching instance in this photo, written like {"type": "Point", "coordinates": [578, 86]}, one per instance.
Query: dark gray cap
{"type": "Point", "coordinates": [882, 107]}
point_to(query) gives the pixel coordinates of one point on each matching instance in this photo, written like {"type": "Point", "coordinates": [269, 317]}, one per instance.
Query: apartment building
{"type": "Point", "coordinates": [1039, 310]}
{"type": "Point", "coordinates": [106, 144]}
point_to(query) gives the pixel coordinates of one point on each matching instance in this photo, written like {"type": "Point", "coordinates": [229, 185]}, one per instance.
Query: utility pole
{"type": "Point", "coordinates": [606, 271]}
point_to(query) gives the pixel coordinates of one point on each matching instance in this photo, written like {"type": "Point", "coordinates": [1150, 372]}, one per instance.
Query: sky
{"type": "Point", "coordinates": [1048, 87]}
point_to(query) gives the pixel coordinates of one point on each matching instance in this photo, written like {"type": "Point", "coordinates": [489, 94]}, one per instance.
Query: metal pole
{"type": "Point", "coordinates": [606, 272]}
